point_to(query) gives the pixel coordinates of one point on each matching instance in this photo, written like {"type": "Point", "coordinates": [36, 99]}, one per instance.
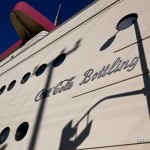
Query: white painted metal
{"type": "Point", "coordinates": [116, 121]}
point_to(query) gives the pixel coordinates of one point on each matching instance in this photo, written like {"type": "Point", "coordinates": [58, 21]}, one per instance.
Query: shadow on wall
{"type": "Point", "coordinates": [143, 62]}
{"type": "Point", "coordinates": [3, 147]}
{"type": "Point", "coordinates": [68, 131]}
{"type": "Point", "coordinates": [108, 42]}
{"type": "Point", "coordinates": [43, 101]}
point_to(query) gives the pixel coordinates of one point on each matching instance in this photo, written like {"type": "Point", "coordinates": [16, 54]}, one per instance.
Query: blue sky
{"type": "Point", "coordinates": [48, 8]}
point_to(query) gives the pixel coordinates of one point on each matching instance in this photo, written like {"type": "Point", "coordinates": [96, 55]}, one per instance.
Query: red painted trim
{"type": "Point", "coordinates": [35, 15]}
{"type": "Point", "coordinates": [11, 49]}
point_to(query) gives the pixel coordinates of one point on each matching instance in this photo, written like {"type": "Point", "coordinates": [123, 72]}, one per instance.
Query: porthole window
{"type": "Point", "coordinates": [21, 131]}
{"type": "Point", "coordinates": [59, 60]}
{"type": "Point", "coordinates": [40, 70]}
{"type": "Point", "coordinates": [2, 90]}
{"type": "Point", "coordinates": [127, 21]}
{"type": "Point", "coordinates": [25, 78]}
{"type": "Point", "coordinates": [11, 85]}
{"type": "Point", "coordinates": [4, 135]}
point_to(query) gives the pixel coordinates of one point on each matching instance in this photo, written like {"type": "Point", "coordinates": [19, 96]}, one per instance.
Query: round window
{"type": "Point", "coordinates": [127, 21]}
{"type": "Point", "coordinates": [25, 78]}
{"type": "Point", "coordinates": [40, 70]}
{"type": "Point", "coordinates": [59, 60]}
{"type": "Point", "coordinates": [4, 135]}
{"type": "Point", "coordinates": [21, 131]}
{"type": "Point", "coordinates": [2, 90]}
{"type": "Point", "coordinates": [11, 85]}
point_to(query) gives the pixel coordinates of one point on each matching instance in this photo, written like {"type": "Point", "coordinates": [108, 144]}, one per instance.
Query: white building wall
{"type": "Point", "coordinates": [116, 119]}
